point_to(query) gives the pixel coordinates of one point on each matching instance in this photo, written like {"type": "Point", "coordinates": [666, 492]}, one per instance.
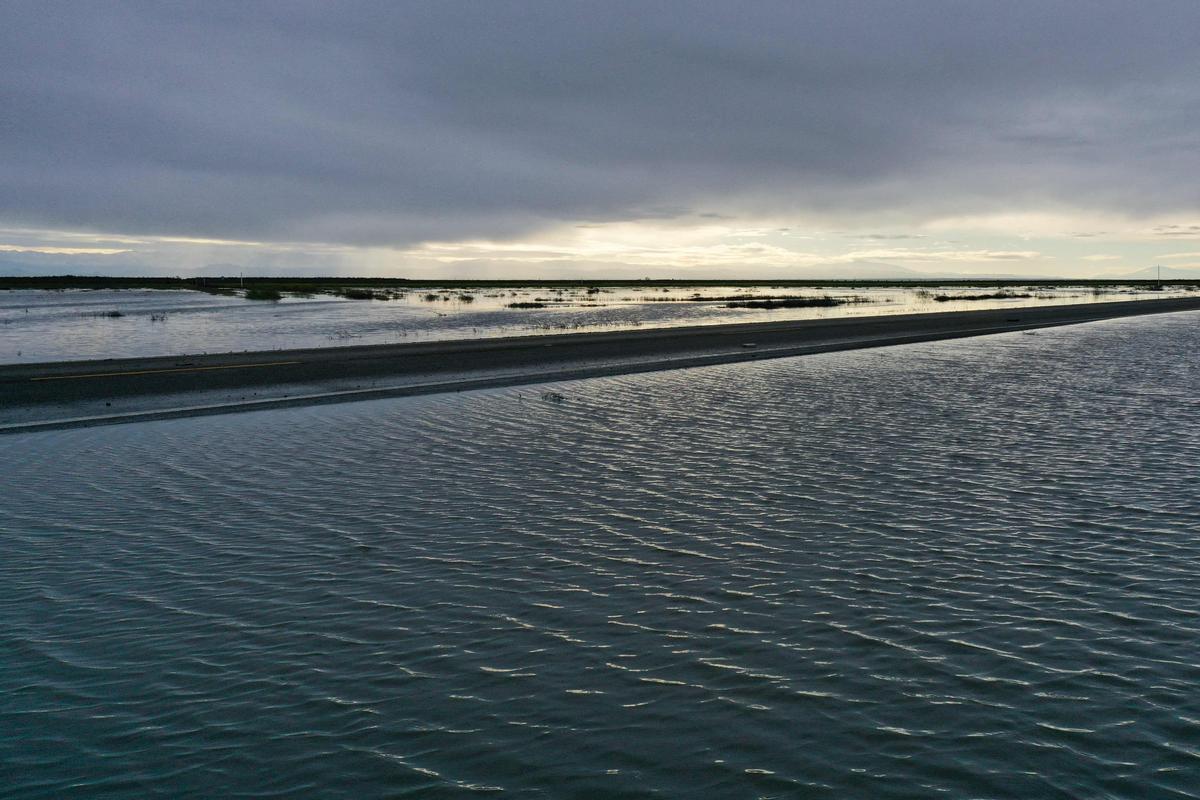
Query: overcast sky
{"type": "Point", "coordinates": [601, 138]}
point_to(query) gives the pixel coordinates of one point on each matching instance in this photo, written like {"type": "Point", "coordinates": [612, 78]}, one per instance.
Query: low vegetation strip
{"type": "Point", "coordinates": [739, 298]}
{"type": "Point", "coordinates": [796, 302]}
{"type": "Point", "coordinates": [945, 298]}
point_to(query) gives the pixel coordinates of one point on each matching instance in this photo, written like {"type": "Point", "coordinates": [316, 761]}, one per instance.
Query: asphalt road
{"type": "Point", "coordinates": [88, 383]}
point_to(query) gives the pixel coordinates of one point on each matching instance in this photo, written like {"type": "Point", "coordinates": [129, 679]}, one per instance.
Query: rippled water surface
{"type": "Point", "coordinates": [961, 569]}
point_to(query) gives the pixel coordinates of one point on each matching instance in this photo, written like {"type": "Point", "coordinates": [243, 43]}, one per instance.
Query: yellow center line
{"type": "Point", "coordinates": [158, 371]}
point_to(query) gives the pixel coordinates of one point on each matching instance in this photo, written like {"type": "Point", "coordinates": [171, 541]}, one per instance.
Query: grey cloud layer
{"type": "Point", "coordinates": [391, 123]}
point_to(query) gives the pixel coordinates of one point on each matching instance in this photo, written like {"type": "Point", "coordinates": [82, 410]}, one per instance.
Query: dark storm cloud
{"type": "Point", "coordinates": [394, 122]}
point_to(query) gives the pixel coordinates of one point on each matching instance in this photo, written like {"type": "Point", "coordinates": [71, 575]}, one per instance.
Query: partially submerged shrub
{"type": "Point", "coordinates": [363, 294]}
{"type": "Point", "coordinates": [794, 302]}
{"type": "Point", "coordinates": [942, 298]}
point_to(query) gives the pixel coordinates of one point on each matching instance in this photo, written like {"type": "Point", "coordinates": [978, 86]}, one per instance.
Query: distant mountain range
{"type": "Point", "coordinates": [1152, 273]}
{"type": "Point", "coordinates": [882, 271]}
{"type": "Point", "coordinates": [34, 264]}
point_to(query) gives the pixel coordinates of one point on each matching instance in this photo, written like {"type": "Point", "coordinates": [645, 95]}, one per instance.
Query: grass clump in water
{"type": "Point", "coordinates": [363, 294]}
{"type": "Point", "coordinates": [526, 305]}
{"type": "Point", "coordinates": [825, 301]}
{"type": "Point", "coordinates": [943, 298]}
{"type": "Point", "coordinates": [263, 293]}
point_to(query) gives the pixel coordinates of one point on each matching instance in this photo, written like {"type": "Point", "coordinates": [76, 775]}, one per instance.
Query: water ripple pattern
{"type": "Point", "coordinates": [963, 569]}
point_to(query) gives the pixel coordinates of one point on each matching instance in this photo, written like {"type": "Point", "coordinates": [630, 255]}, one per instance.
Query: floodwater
{"type": "Point", "coordinates": [73, 325]}
{"type": "Point", "coordinates": [966, 569]}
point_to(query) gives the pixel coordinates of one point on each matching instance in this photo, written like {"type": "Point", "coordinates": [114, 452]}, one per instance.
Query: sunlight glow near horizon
{"type": "Point", "coordinates": [1050, 245]}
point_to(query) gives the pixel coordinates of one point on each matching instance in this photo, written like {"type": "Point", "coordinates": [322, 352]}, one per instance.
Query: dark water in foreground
{"type": "Point", "coordinates": [961, 569]}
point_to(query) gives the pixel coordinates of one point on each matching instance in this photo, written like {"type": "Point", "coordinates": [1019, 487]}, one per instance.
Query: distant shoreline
{"type": "Point", "coordinates": [74, 394]}
{"type": "Point", "coordinates": [228, 284]}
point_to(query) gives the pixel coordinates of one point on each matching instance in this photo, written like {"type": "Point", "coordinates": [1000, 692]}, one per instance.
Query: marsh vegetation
{"type": "Point", "coordinates": [824, 301]}
{"type": "Point", "coordinates": [220, 315]}
{"type": "Point", "coordinates": [945, 298]}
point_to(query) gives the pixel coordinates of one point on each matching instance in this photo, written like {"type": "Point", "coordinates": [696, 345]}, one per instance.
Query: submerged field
{"type": "Point", "coordinates": [968, 568]}
{"type": "Point", "coordinates": [73, 324]}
